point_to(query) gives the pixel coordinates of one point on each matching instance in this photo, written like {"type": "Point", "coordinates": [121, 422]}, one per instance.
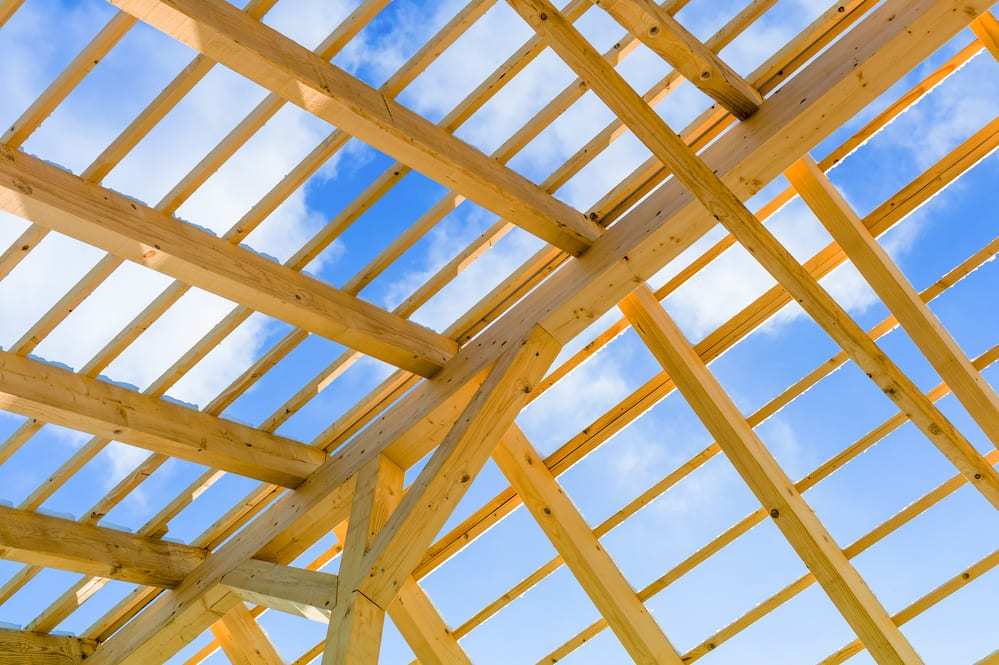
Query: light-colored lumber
{"type": "Point", "coordinates": [306, 593]}
{"type": "Point", "coordinates": [243, 640]}
{"type": "Point", "coordinates": [414, 614]}
{"type": "Point", "coordinates": [225, 34]}
{"type": "Point", "coordinates": [53, 394]}
{"type": "Point", "coordinates": [8, 8]}
{"type": "Point", "coordinates": [63, 202]}
{"type": "Point", "coordinates": [583, 554]}
{"type": "Point", "coordinates": [894, 289]}
{"type": "Point", "coordinates": [354, 636]}
{"type": "Point", "coordinates": [45, 540]}
{"type": "Point", "coordinates": [399, 546]}
{"type": "Point", "coordinates": [693, 60]}
{"type": "Point", "coordinates": [724, 206]}
{"type": "Point", "coordinates": [775, 491]}
{"type": "Point", "coordinates": [50, 541]}
{"type": "Point", "coordinates": [986, 28]}
{"type": "Point", "coordinates": [26, 648]}
{"type": "Point", "coordinates": [784, 127]}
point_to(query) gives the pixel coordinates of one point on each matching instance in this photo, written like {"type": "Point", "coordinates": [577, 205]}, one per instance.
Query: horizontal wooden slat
{"type": "Point", "coordinates": [52, 394]}
{"type": "Point", "coordinates": [222, 32]}
{"type": "Point", "coordinates": [23, 648]}
{"type": "Point", "coordinates": [56, 199]}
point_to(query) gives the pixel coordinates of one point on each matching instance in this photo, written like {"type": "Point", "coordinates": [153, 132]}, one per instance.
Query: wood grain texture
{"type": "Point", "coordinates": [56, 199]}
{"type": "Point", "coordinates": [243, 640]}
{"type": "Point", "coordinates": [662, 33]}
{"type": "Point", "coordinates": [26, 648]}
{"type": "Point", "coordinates": [56, 395]}
{"type": "Point", "coordinates": [583, 554]}
{"type": "Point", "coordinates": [279, 64]}
{"type": "Point", "coordinates": [775, 491]}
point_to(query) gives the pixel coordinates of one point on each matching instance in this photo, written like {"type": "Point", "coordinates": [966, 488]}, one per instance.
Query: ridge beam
{"type": "Point", "coordinates": [225, 34]}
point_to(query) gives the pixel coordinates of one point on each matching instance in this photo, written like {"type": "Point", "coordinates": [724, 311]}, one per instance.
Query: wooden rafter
{"type": "Point", "coordinates": [589, 562]}
{"type": "Point", "coordinates": [214, 590]}
{"type": "Point", "coordinates": [696, 62]}
{"type": "Point", "coordinates": [767, 480]}
{"type": "Point", "coordinates": [281, 65]}
{"type": "Point", "coordinates": [243, 640]}
{"type": "Point", "coordinates": [56, 395]}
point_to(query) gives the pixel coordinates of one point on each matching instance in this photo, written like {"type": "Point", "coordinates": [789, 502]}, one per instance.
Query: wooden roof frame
{"type": "Point", "coordinates": [456, 394]}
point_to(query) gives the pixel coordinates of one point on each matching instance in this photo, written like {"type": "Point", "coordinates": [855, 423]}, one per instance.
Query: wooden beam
{"type": "Point", "coordinates": [355, 631]}
{"type": "Point", "coordinates": [44, 540]}
{"type": "Point", "coordinates": [767, 480]}
{"type": "Point", "coordinates": [665, 36]}
{"type": "Point", "coordinates": [889, 42]}
{"type": "Point", "coordinates": [422, 513]}
{"type": "Point", "coordinates": [724, 205]}
{"type": "Point", "coordinates": [432, 642]}
{"type": "Point", "coordinates": [55, 395]}
{"type": "Point", "coordinates": [986, 28]}
{"type": "Point", "coordinates": [19, 647]}
{"type": "Point", "coordinates": [279, 64]}
{"type": "Point", "coordinates": [56, 199]}
{"type": "Point", "coordinates": [307, 593]}
{"type": "Point", "coordinates": [589, 562]}
{"type": "Point", "coordinates": [894, 289]}
{"type": "Point", "coordinates": [243, 640]}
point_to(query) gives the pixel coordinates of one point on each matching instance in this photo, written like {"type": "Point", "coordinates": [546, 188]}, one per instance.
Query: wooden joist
{"type": "Point", "coordinates": [894, 289]}
{"type": "Point", "coordinates": [45, 540]}
{"type": "Point", "coordinates": [19, 647]}
{"type": "Point", "coordinates": [986, 28]}
{"type": "Point", "coordinates": [58, 200]}
{"type": "Point", "coordinates": [52, 394]}
{"type": "Point", "coordinates": [223, 33]}
{"type": "Point", "coordinates": [662, 33]}
{"type": "Point", "coordinates": [414, 614]}
{"type": "Point", "coordinates": [583, 554]}
{"type": "Point", "coordinates": [767, 480]}
{"type": "Point", "coordinates": [243, 640]}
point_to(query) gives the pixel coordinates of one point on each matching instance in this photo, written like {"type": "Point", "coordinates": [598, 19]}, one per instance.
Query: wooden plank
{"type": "Point", "coordinates": [665, 36]}
{"type": "Point", "coordinates": [414, 614]}
{"type": "Point", "coordinates": [243, 640]}
{"type": "Point", "coordinates": [986, 28]}
{"type": "Point", "coordinates": [44, 540]}
{"type": "Point", "coordinates": [19, 647]}
{"type": "Point", "coordinates": [767, 480]}
{"type": "Point", "coordinates": [886, 45]}
{"type": "Point", "coordinates": [56, 395]}
{"type": "Point", "coordinates": [589, 562]}
{"type": "Point", "coordinates": [897, 293]}
{"type": "Point", "coordinates": [307, 593]}
{"type": "Point", "coordinates": [723, 205]}
{"type": "Point", "coordinates": [458, 459]}
{"type": "Point", "coordinates": [355, 631]}
{"type": "Point", "coordinates": [58, 200]}
{"type": "Point", "coordinates": [274, 61]}
{"type": "Point", "coordinates": [8, 8]}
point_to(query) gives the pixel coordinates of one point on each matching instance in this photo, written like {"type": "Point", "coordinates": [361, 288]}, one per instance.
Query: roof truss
{"type": "Point", "coordinates": [476, 378]}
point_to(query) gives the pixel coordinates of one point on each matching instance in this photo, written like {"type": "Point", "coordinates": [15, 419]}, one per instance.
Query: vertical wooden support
{"type": "Point", "coordinates": [902, 300]}
{"type": "Point", "coordinates": [767, 480]}
{"type": "Point", "coordinates": [589, 562]}
{"type": "Point", "coordinates": [243, 640]}
{"type": "Point", "coordinates": [355, 630]}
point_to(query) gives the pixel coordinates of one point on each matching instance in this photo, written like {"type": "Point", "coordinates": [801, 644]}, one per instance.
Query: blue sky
{"type": "Point", "coordinates": [843, 407]}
